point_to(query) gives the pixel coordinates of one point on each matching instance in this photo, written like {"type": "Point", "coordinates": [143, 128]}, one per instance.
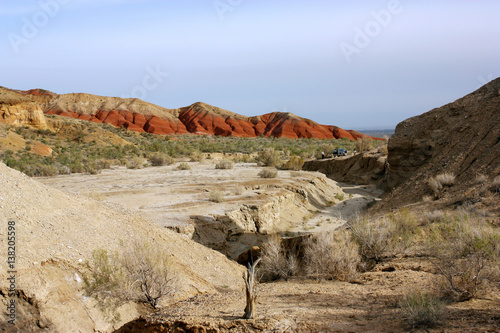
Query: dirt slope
{"type": "Point", "coordinates": [363, 168]}
{"type": "Point", "coordinates": [461, 138]}
{"type": "Point", "coordinates": [57, 232]}
{"type": "Point", "coordinates": [137, 115]}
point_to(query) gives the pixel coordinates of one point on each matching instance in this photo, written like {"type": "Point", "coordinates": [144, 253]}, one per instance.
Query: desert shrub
{"type": "Point", "coordinates": [44, 170]}
{"type": "Point", "coordinates": [216, 196]}
{"type": "Point", "coordinates": [463, 252]}
{"type": "Point", "coordinates": [446, 179]}
{"type": "Point", "coordinates": [183, 166]}
{"type": "Point", "coordinates": [404, 226]}
{"type": "Point", "coordinates": [196, 156]}
{"type": "Point", "coordinates": [294, 163]}
{"type": "Point", "coordinates": [422, 310]}
{"type": "Point", "coordinates": [92, 167]}
{"type": "Point", "coordinates": [159, 159]}
{"type": "Point", "coordinates": [481, 178]}
{"type": "Point", "coordinates": [149, 273]}
{"type": "Point", "coordinates": [224, 165]}
{"type": "Point", "coordinates": [268, 173]}
{"type": "Point", "coordinates": [383, 150]}
{"type": "Point", "coordinates": [269, 157]}
{"type": "Point", "coordinates": [432, 216]}
{"type": "Point", "coordinates": [276, 263]}
{"type": "Point", "coordinates": [339, 196]}
{"type": "Point", "coordinates": [64, 170]}
{"type": "Point", "coordinates": [135, 162]}
{"type": "Point", "coordinates": [331, 256]}
{"type": "Point", "coordinates": [373, 238]}
{"type": "Point", "coordinates": [141, 273]}
{"type": "Point", "coordinates": [494, 187]}
{"type": "Point", "coordinates": [435, 185]}
{"type": "Point", "coordinates": [363, 144]}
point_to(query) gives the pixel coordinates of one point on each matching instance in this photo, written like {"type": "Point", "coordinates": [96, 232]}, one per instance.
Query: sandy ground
{"type": "Point", "coordinates": [370, 304]}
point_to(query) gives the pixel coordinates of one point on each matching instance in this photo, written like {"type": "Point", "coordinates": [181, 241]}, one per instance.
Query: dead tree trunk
{"type": "Point", "coordinates": [250, 290]}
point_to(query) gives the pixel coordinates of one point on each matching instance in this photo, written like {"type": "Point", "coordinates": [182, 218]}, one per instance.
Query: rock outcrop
{"type": "Point", "coordinates": [198, 118]}
{"type": "Point", "coordinates": [461, 138]}
{"type": "Point", "coordinates": [24, 113]}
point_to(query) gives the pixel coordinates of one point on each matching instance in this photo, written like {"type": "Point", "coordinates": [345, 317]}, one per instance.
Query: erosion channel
{"type": "Point", "coordinates": [229, 210]}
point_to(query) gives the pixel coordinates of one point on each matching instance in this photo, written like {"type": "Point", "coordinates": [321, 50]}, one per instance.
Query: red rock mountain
{"type": "Point", "coordinates": [198, 118]}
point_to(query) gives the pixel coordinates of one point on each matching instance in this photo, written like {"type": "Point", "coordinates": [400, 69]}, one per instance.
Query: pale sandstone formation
{"type": "Point", "coordinates": [56, 234]}
{"type": "Point", "coordinates": [25, 113]}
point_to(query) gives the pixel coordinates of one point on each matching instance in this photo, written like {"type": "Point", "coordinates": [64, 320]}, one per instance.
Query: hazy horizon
{"type": "Point", "coordinates": [363, 66]}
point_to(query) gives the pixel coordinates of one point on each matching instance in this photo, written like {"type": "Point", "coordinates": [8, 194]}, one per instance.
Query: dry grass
{"type": "Point", "coordinates": [422, 310]}
{"type": "Point", "coordinates": [216, 196]}
{"type": "Point", "coordinates": [446, 179]}
{"type": "Point", "coordinates": [159, 159]}
{"type": "Point", "coordinates": [332, 256]}
{"type": "Point", "coordinates": [183, 166]}
{"type": "Point", "coordinates": [465, 251]}
{"type": "Point", "coordinates": [276, 263]}
{"type": "Point", "coordinates": [135, 163]}
{"type": "Point", "coordinates": [224, 165]}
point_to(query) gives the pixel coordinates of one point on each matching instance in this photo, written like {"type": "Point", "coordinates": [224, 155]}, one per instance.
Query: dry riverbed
{"type": "Point", "coordinates": [301, 202]}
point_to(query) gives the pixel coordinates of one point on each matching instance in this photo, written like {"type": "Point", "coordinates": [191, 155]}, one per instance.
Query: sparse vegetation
{"type": "Point", "coordinates": [464, 252]}
{"type": "Point", "coordinates": [141, 273]}
{"type": "Point", "coordinates": [75, 148]}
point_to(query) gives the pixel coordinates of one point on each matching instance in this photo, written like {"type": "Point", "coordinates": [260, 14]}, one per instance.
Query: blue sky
{"type": "Point", "coordinates": [356, 64]}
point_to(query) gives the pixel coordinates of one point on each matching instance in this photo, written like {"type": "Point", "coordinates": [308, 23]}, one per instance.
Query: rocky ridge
{"type": "Point", "coordinates": [461, 138]}
{"type": "Point", "coordinates": [137, 115]}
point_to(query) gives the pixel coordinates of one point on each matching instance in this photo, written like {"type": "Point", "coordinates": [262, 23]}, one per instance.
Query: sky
{"type": "Point", "coordinates": [354, 64]}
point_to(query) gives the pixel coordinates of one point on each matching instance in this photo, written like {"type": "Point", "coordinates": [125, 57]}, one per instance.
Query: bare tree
{"type": "Point", "coordinates": [249, 278]}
